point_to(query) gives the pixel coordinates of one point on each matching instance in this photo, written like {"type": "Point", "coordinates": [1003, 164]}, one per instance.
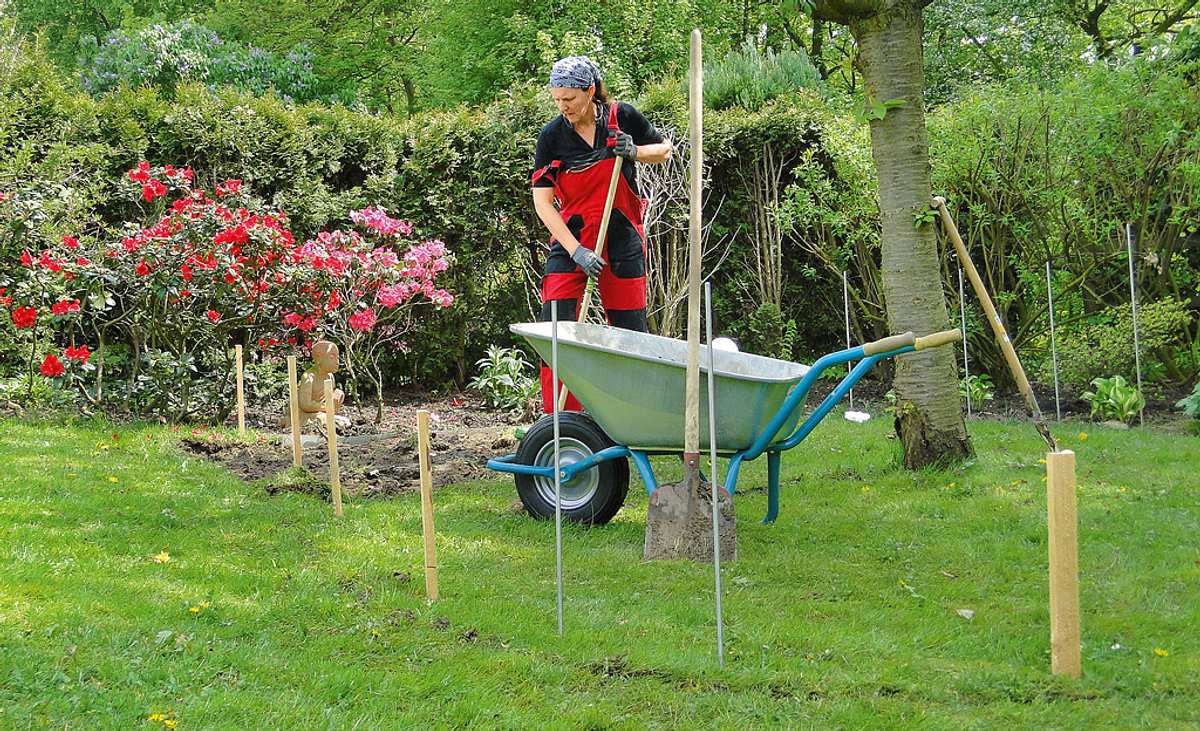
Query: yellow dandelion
{"type": "Point", "coordinates": [1042, 460]}
{"type": "Point", "coordinates": [194, 610]}
{"type": "Point", "coordinates": [113, 478]}
{"type": "Point", "coordinates": [161, 557]}
{"type": "Point", "coordinates": [155, 717]}
{"type": "Point", "coordinates": [1083, 436]}
{"type": "Point", "coordinates": [170, 723]}
{"type": "Point", "coordinates": [1161, 652]}
{"type": "Point", "coordinates": [866, 488]}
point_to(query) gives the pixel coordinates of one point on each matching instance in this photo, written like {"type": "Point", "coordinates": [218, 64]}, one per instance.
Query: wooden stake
{"type": "Point", "coordinates": [241, 393]}
{"type": "Point", "coordinates": [335, 475]}
{"type": "Point", "coordinates": [1064, 564]}
{"type": "Point", "coordinates": [431, 569]}
{"type": "Point", "coordinates": [294, 410]}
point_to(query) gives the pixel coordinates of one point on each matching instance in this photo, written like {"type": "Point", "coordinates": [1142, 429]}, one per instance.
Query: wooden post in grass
{"type": "Point", "coordinates": [431, 570]}
{"type": "Point", "coordinates": [1064, 563]}
{"type": "Point", "coordinates": [335, 476]}
{"type": "Point", "coordinates": [241, 392]}
{"type": "Point", "coordinates": [294, 410]}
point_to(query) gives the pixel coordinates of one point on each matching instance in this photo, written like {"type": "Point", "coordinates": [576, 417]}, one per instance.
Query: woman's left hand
{"type": "Point", "coordinates": [625, 147]}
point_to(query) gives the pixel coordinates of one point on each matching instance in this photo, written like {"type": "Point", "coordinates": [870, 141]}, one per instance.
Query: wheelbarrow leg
{"type": "Point", "coordinates": [773, 459]}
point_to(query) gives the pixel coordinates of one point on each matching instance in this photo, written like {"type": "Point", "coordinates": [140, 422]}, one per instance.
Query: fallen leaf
{"type": "Point", "coordinates": [965, 613]}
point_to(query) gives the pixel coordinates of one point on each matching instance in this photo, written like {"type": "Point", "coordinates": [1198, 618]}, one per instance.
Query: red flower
{"type": "Point", "coordinates": [185, 271]}
{"type": "Point", "coordinates": [185, 293]}
{"type": "Point", "coordinates": [152, 189]}
{"type": "Point", "coordinates": [79, 355]}
{"type": "Point", "coordinates": [229, 186]}
{"type": "Point", "coordinates": [140, 174]}
{"type": "Point", "coordinates": [363, 320]}
{"type": "Point", "coordinates": [26, 258]}
{"type": "Point", "coordinates": [49, 262]}
{"type": "Point", "coordinates": [81, 261]}
{"type": "Point", "coordinates": [52, 367]}
{"type": "Point", "coordinates": [70, 242]}
{"type": "Point", "coordinates": [143, 269]}
{"type": "Point", "coordinates": [64, 307]}
{"type": "Point", "coordinates": [24, 317]}
{"type": "Point", "coordinates": [213, 316]}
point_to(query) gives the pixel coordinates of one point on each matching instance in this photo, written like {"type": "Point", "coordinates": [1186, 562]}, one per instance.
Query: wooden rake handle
{"type": "Point", "coordinates": [601, 237]}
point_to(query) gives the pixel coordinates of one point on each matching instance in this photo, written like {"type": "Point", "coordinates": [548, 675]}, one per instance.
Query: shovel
{"type": "Point", "coordinates": [679, 519]}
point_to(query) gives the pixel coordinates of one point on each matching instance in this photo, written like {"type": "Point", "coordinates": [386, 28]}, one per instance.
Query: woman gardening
{"type": "Point", "coordinates": [573, 164]}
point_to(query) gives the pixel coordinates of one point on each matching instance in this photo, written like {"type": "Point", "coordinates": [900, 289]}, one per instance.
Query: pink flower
{"type": "Point", "coordinates": [213, 316]}
{"type": "Point", "coordinates": [363, 320]}
{"type": "Point", "coordinates": [52, 367]}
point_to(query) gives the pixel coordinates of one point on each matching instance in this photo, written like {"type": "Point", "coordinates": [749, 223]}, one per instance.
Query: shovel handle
{"type": "Point", "coordinates": [934, 340]}
{"type": "Point", "coordinates": [891, 342]}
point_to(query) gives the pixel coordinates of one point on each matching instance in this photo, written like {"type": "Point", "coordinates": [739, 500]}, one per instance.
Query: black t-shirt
{"type": "Point", "coordinates": [559, 141]}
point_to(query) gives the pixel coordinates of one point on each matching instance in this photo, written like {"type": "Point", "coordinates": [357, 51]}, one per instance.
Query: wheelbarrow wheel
{"type": "Point", "coordinates": [592, 497]}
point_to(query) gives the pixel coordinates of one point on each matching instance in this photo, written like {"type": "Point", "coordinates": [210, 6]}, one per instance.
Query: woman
{"type": "Point", "coordinates": [573, 164]}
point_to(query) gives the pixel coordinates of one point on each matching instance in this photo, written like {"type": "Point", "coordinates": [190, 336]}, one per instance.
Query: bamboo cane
{"type": "Point", "coordinates": [427, 531]}
{"type": "Point", "coordinates": [335, 475]}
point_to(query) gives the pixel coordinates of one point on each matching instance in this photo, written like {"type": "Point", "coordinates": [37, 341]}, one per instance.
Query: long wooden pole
{"type": "Point", "coordinates": [1064, 563]}
{"type": "Point", "coordinates": [294, 410]}
{"type": "Point", "coordinates": [993, 317]}
{"type": "Point", "coordinates": [431, 568]}
{"type": "Point", "coordinates": [586, 303]}
{"type": "Point", "coordinates": [335, 473]}
{"type": "Point", "coordinates": [691, 420]}
{"type": "Point", "coordinates": [241, 393]}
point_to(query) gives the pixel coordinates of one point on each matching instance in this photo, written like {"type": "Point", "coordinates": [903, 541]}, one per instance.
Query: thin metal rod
{"type": "Point", "coordinates": [1137, 343]}
{"type": "Point", "coordinates": [1053, 343]}
{"type": "Point", "coordinates": [962, 321]}
{"type": "Point", "coordinates": [846, 306]}
{"type": "Point", "coordinates": [558, 560]}
{"type": "Point", "coordinates": [712, 471]}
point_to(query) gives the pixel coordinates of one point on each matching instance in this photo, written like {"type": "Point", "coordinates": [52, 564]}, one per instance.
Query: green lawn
{"type": "Point", "coordinates": [270, 613]}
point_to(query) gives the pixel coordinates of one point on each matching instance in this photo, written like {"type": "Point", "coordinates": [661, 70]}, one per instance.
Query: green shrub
{"type": "Point", "coordinates": [749, 78]}
{"type": "Point", "coordinates": [1114, 400]}
{"type": "Point", "coordinates": [506, 380]}
{"type": "Point", "coordinates": [1104, 344]}
{"type": "Point", "coordinates": [1190, 405]}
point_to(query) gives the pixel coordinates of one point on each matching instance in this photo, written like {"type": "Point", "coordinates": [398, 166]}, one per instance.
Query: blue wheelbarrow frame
{"type": "Point", "coordinates": [767, 440]}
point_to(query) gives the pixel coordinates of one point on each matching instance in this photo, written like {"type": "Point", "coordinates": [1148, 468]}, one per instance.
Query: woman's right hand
{"type": "Point", "coordinates": [587, 260]}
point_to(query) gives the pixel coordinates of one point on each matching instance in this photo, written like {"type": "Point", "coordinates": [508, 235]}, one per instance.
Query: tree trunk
{"type": "Point", "coordinates": [929, 416]}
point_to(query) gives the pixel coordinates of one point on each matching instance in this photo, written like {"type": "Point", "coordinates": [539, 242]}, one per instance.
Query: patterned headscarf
{"type": "Point", "coordinates": [574, 72]}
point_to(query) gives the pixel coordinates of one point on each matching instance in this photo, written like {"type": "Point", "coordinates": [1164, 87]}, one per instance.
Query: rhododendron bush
{"type": "Point", "coordinates": [204, 270]}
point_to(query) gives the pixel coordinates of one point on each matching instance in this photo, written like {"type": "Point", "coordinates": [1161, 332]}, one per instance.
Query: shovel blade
{"type": "Point", "coordinates": [679, 522]}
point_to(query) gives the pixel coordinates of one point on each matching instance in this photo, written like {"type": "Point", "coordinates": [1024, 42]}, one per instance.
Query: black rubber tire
{"type": "Point", "coordinates": [600, 491]}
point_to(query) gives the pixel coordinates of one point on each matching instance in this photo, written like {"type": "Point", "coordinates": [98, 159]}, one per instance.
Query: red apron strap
{"type": "Point", "coordinates": [550, 170]}
{"type": "Point", "coordinates": [613, 129]}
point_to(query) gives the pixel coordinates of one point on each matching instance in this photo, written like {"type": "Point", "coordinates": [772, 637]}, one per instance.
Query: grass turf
{"type": "Point", "coordinates": [140, 582]}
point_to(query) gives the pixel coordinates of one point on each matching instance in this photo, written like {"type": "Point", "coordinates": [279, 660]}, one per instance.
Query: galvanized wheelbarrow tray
{"type": "Point", "coordinates": [631, 385]}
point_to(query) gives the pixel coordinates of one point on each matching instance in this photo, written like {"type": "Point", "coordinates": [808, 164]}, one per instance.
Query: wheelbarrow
{"type": "Point", "coordinates": [632, 387]}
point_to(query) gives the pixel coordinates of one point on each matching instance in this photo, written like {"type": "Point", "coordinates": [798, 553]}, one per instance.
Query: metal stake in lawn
{"type": "Point", "coordinates": [846, 307]}
{"type": "Point", "coordinates": [1137, 344]}
{"type": "Point", "coordinates": [586, 302]}
{"type": "Point", "coordinates": [294, 410]}
{"type": "Point", "coordinates": [993, 318]}
{"type": "Point", "coordinates": [712, 470]}
{"type": "Point", "coordinates": [241, 393]}
{"type": "Point", "coordinates": [558, 562]}
{"type": "Point", "coordinates": [675, 517]}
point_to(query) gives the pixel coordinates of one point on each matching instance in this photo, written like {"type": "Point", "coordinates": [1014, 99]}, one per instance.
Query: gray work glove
{"type": "Point", "coordinates": [587, 260]}
{"type": "Point", "coordinates": [625, 147]}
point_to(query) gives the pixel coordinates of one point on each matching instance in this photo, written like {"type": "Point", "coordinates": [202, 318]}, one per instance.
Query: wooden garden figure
{"type": "Point", "coordinates": [311, 391]}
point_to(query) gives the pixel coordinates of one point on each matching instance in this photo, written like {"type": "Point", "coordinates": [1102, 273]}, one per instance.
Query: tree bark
{"type": "Point", "coordinates": [929, 416]}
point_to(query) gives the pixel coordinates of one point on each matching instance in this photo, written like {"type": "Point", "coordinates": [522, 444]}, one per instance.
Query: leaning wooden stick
{"type": "Point", "coordinates": [1064, 564]}
{"type": "Point", "coordinates": [586, 303]}
{"type": "Point", "coordinates": [335, 475]}
{"type": "Point", "coordinates": [241, 393]}
{"type": "Point", "coordinates": [431, 569]}
{"type": "Point", "coordinates": [1010, 354]}
{"type": "Point", "coordinates": [294, 410]}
